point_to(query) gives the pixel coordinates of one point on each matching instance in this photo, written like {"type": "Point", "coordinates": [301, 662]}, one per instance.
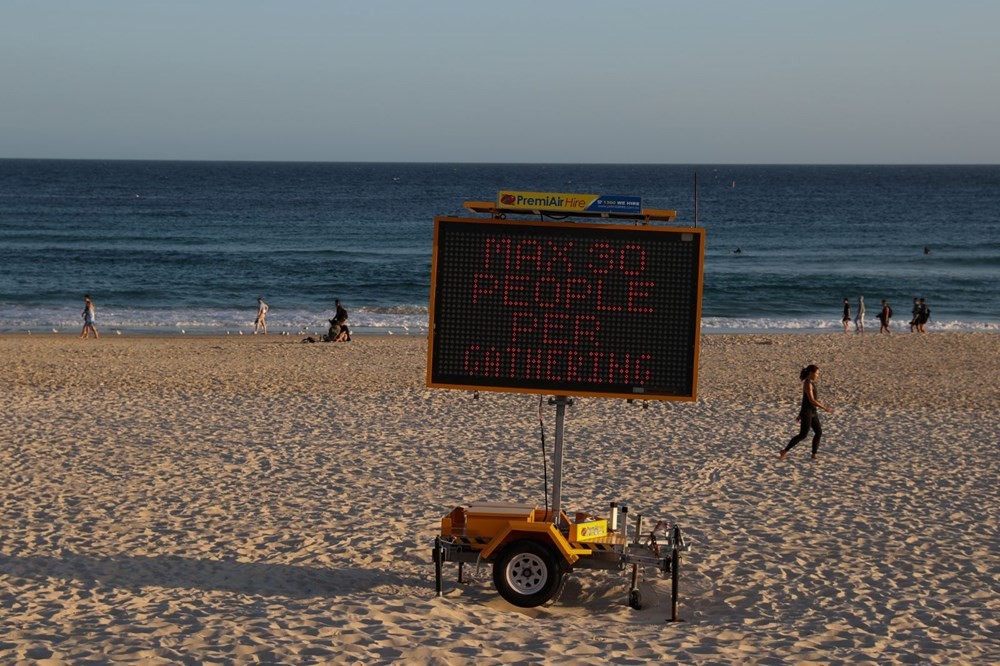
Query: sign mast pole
{"type": "Point", "coordinates": [561, 402]}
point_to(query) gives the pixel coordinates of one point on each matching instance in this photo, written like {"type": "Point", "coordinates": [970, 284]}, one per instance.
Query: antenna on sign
{"type": "Point", "coordinates": [696, 198]}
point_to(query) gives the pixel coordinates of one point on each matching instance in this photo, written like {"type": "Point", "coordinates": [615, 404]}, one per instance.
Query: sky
{"type": "Point", "coordinates": [659, 81]}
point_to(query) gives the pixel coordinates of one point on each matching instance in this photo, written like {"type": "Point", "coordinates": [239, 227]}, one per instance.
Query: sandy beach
{"type": "Point", "coordinates": [214, 500]}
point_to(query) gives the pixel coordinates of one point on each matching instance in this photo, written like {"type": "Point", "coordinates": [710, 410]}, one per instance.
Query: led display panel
{"type": "Point", "coordinates": [565, 308]}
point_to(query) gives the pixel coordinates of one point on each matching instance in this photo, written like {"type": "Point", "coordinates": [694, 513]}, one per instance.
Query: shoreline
{"type": "Point", "coordinates": [227, 499]}
{"type": "Point", "coordinates": [987, 328]}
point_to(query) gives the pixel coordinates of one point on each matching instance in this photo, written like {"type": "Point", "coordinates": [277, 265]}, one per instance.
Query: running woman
{"type": "Point", "coordinates": [809, 412]}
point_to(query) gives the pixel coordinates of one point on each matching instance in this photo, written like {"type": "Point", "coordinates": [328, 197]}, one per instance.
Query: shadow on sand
{"type": "Point", "coordinates": [254, 578]}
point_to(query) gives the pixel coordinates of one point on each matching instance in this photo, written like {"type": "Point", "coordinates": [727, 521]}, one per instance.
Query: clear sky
{"type": "Point", "coordinates": [658, 81]}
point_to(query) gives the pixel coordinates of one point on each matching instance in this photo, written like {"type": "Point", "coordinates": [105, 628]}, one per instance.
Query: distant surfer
{"type": "Point", "coordinates": [737, 251]}
{"type": "Point", "coordinates": [927, 250]}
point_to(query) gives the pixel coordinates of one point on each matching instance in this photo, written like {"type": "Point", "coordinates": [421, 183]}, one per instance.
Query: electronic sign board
{"type": "Point", "coordinates": [565, 309]}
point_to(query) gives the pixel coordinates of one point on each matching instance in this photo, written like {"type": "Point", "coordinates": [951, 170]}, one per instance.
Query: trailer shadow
{"type": "Point", "coordinates": [586, 593]}
{"type": "Point", "coordinates": [224, 575]}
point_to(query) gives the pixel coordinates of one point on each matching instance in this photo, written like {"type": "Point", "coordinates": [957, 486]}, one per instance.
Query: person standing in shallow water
{"type": "Point", "coordinates": [808, 412]}
{"type": "Point", "coordinates": [88, 318]}
{"type": "Point", "coordinates": [859, 318]}
{"type": "Point", "coordinates": [846, 320]}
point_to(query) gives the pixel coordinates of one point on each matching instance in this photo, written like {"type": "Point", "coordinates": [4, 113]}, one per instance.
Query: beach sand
{"type": "Point", "coordinates": [246, 499]}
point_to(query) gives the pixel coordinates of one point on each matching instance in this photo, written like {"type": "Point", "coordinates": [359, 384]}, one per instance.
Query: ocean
{"type": "Point", "coordinates": [171, 247]}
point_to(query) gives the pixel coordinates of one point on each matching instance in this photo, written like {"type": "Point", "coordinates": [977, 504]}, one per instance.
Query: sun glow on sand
{"type": "Point", "coordinates": [246, 498]}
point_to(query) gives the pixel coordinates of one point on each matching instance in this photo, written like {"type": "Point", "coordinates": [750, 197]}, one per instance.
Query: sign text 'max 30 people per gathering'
{"type": "Point", "coordinates": [561, 308]}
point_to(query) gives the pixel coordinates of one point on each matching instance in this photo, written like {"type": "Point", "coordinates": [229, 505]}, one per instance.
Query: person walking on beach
{"type": "Point", "coordinates": [846, 320]}
{"type": "Point", "coordinates": [859, 319]}
{"type": "Point", "coordinates": [808, 412]}
{"type": "Point", "coordinates": [884, 315]}
{"type": "Point", "coordinates": [924, 316]}
{"type": "Point", "coordinates": [261, 320]}
{"type": "Point", "coordinates": [914, 315]}
{"type": "Point", "coordinates": [88, 318]}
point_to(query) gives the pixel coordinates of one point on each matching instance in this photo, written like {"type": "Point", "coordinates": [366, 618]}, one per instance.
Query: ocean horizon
{"type": "Point", "coordinates": [167, 247]}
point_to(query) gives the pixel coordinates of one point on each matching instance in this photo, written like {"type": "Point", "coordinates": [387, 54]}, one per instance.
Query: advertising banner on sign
{"type": "Point", "coordinates": [569, 203]}
{"type": "Point", "coordinates": [565, 309]}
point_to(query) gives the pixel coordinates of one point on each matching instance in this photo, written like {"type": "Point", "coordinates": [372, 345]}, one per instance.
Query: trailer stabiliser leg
{"type": "Point", "coordinates": [634, 596]}
{"type": "Point", "coordinates": [438, 556]}
{"type": "Point", "coordinates": [675, 565]}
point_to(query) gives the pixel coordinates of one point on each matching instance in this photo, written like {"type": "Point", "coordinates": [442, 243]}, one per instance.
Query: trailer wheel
{"type": "Point", "coordinates": [635, 599]}
{"type": "Point", "coordinates": [527, 574]}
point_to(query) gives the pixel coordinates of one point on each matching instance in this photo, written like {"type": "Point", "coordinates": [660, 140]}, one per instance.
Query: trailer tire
{"type": "Point", "coordinates": [527, 573]}
{"type": "Point", "coordinates": [635, 599]}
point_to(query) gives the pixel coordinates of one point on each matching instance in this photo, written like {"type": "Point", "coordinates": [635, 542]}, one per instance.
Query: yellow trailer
{"type": "Point", "coordinates": [531, 553]}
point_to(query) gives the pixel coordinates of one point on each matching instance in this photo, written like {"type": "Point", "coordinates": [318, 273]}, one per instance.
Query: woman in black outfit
{"type": "Point", "coordinates": [808, 414]}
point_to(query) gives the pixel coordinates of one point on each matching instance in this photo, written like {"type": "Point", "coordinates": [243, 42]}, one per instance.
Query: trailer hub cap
{"type": "Point", "coordinates": [526, 573]}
